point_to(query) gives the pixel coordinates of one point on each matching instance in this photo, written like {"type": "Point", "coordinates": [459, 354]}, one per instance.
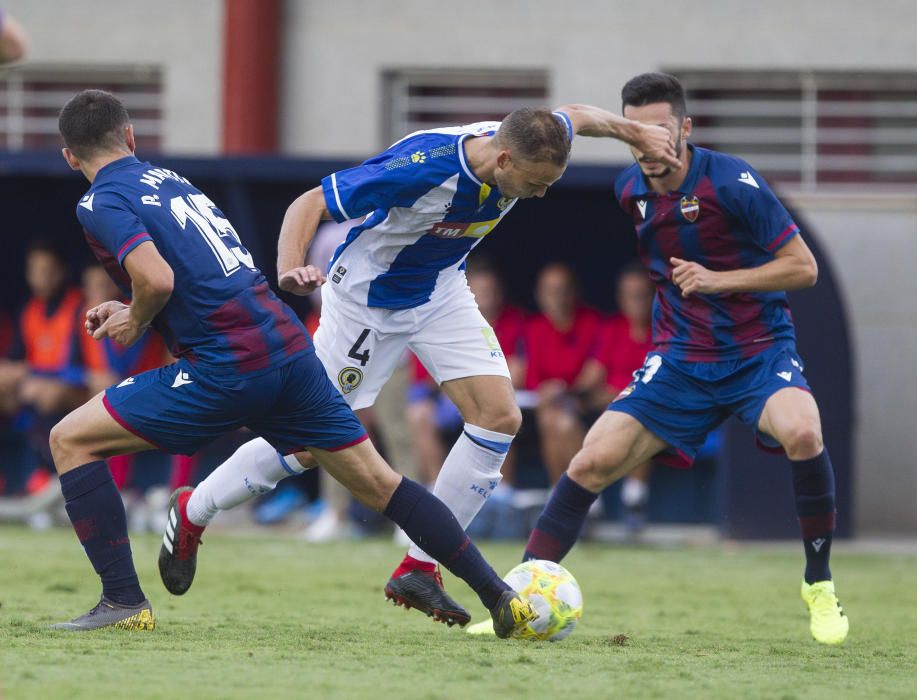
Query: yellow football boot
{"type": "Point", "coordinates": [829, 624]}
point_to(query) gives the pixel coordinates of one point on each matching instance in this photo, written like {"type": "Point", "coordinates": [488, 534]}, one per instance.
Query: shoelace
{"type": "Point", "coordinates": [187, 543]}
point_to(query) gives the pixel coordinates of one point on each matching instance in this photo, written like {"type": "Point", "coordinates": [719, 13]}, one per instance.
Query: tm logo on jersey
{"type": "Point", "coordinates": [456, 229]}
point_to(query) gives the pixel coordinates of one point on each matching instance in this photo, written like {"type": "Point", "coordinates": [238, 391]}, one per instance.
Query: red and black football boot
{"type": "Point", "coordinates": [178, 554]}
{"type": "Point", "coordinates": [419, 585]}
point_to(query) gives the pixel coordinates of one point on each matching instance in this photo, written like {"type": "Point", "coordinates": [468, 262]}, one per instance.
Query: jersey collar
{"type": "Point", "coordinates": [115, 165]}
{"type": "Point", "coordinates": [695, 172]}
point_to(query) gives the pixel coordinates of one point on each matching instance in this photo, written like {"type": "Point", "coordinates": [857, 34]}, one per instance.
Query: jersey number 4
{"type": "Point", "coordinates": [362, 357]}
{"type": "Point", "coordinates": [218, 233]}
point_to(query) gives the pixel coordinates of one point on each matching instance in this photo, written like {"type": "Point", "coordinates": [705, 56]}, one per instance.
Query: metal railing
{"type": "Point", "coordinates": [31, 97]}
{"type": "Point", "coordinates": [811, 128]}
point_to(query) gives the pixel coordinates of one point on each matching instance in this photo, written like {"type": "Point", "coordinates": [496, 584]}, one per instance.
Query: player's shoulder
{"type": "Point", "coordinates": [444, 135]}
{"type": "Point", "coordinates": [627, 181]}
{"type": "Point", "coordinates": [729, 172]}
{"type": "Point", "coordinates": [101, 197]}
{"type": "Point", "coordinates": [426, 157]}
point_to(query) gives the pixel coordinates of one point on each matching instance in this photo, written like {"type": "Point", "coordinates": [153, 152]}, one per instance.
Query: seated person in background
{"type": "Point", "coordinates": [430, 413]}
{"type": "Point", "coordinates": [559, 341]}
{"type": "Point", "coordinates": [10, 439]}
{"type": "Point", "coordinates": [44, 377]}
{"type": "Point", "coordinates": [624, 340]}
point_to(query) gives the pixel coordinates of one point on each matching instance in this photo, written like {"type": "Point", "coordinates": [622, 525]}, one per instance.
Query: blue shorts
{"type": "Point", "coordinates": [681, 402]}
{"type": "Point", "coordinates": [180, 408]}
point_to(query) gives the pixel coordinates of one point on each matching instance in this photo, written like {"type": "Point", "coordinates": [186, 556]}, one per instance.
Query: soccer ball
{"type": "Point", "coordinates": [554, 594]}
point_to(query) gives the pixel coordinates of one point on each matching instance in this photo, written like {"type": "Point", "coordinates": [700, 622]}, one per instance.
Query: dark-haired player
{"type": "Point", "coordinates": [722, 251]}
{"type": "Point", "coordinates": [244, 360]}
{"type": "Point", "coordinates": [398, 282]}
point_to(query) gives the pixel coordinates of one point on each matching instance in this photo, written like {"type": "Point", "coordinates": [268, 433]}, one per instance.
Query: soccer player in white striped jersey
{"type": "Point", "coordinates": [398, 282]}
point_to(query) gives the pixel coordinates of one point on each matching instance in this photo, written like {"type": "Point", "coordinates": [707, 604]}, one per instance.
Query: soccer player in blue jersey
{"type": "Point", "coordinates": [722, 251]}
{"type": "Point", "coordinates": [244, 360]}
{"type": "Point", "coordinates": [398, 282]}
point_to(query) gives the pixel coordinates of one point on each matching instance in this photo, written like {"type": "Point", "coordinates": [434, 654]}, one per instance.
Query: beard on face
{"type": "Point", "coordinates": [666, 170]}
{"type": "Point", "coordinates": [662, 173]}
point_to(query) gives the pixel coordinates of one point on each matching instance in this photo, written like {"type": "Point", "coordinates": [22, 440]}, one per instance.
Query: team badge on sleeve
{"type": "Point", "coordinates": [349, 378]}
{"type": "Point", "coordinates": [690, 208]}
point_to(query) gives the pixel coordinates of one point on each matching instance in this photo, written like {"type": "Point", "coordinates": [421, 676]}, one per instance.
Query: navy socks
{"type": "Point", "coordinates": [813, 486]}
{"type": "Point", "coordinates": [97, 513]}
{"type": "Point", "coordinates": [561, 521]}
{"type": "Point", "coordinates": [433, 527]}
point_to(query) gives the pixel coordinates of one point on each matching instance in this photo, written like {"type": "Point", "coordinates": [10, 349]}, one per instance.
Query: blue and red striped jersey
{"type": "Point", "coordinates": [724, 216]}
{"type": "Point", "coordinates": [221, 314]}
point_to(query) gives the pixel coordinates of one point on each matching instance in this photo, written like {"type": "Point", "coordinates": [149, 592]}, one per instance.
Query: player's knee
{"type": "Point", "coordinates": [804, 441]}
{"type": "Point", "coordinates": [306, 460]}
{"type": "Point", "coordinates": [590, 469]}
{"type": "Point", "coordinates": [506, 419]}
{"type": "Point", "coordinates": [60, 441]}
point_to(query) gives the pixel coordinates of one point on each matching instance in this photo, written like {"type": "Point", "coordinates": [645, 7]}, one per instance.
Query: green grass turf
{"type": "Point", "coordinates": [276, 618]}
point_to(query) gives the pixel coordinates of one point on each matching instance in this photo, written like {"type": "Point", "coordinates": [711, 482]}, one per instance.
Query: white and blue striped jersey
{"type": "Point", "coordinates": [425, 210]}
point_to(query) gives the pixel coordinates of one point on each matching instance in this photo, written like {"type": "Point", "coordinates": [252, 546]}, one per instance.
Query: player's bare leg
{"type": "Point", "coordinates": [468, 476]}
{"type": "Point", "coordinates": [615, 445]}
{"type": "Point", "coordinates": [79, 443]}
{"type": "Point", "coordinates": [791, 416]}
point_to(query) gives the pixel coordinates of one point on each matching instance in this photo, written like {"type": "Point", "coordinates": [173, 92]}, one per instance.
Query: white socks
{"type": "Point", "coordinates": [253, 469]}
{"type": "Point", "coordinates": [469, 475]}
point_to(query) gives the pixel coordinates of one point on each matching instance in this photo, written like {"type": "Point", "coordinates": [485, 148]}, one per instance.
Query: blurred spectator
{"type": "Point", "coordinates": [12, 444]}
{"type": "Point", "coordinates": [13, 44]}
{"type": "Point", "coordinates": [43, 379]}
{"type": "Point", "coordinates": [623, 342]}
{"type": "Point", "coordinates": [559, 341]}
{"type": "Point", "coordinates": [431, 416]}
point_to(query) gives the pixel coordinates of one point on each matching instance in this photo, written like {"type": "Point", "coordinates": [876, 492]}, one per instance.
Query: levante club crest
{"type": "Point", "coordinates": [690, 208]}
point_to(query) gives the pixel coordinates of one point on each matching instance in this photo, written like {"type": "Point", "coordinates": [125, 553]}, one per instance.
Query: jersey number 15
{"type": "Point", "coordinates": [218, 233]}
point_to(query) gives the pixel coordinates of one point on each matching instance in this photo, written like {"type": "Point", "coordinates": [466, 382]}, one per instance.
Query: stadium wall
{"type": "Point", "coordinates": [183, 39]}
{"type": "Point", "coordinates": [871, 242]}
{"type": "Point", "coordinates": [335, 52]}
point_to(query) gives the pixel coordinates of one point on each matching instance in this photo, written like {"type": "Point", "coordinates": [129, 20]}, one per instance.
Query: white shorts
{"type": "Point", "coordinates": [361, 347]}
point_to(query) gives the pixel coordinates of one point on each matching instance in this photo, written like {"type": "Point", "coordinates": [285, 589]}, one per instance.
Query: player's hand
{"type": "Point", "coordinates": [120, 327]}
{"type": "Point", "coordinates": [98, 315]}
{"type": "Point", "coordinates": [302, 280]}
{"type": "Point", "coordinates": [692, 278]}
{"type": "Point", "coordinates": [656, 142]}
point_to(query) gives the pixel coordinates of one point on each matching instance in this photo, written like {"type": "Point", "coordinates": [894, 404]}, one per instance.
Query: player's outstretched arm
{"type": "Point", "coordinates": [793, 267]}
{"type": "Point", "coordinates": [152, 280]}
{"type": "Point", "coordinates": [296, 233]}
{"type": "Point", "coordinates": [654, 141]}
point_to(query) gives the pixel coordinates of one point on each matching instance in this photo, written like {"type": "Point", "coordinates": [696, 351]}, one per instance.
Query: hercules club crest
{"type": "Point", "coordinates": [690, 208]}
{"type": "Point", "coordinates": [349, 378]}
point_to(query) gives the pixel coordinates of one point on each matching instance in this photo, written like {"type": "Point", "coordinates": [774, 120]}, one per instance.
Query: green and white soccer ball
{"type": "Point", "coordinates": [554, 594]}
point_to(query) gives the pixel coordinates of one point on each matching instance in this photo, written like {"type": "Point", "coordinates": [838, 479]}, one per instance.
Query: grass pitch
{"type": "Point", "coordinates": [277, 618]}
